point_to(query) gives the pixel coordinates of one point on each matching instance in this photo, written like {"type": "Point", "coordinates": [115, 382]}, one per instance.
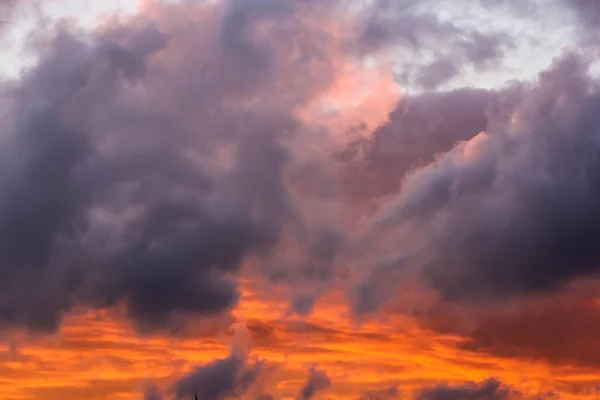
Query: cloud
{"type": "Point", "coordinates": [64, 186]}
{"type": "Point", "coordinates": [558, 329]}
{"type": "Point", "coordinates": [218, 379]}
{"type": "Point", "coordinates": [512, 211]}
{"type": "Point", "coordinates": [317, 381]}
{"type": "Point", "coordinates": [6, 9]}
{"type": "Point", "coordinates": [145, 161]}
{"type": "Point", "coordinates": [585, 17]}
{"type": "Point", "coordinates": [490, 389]}
{"type": "Point", "coordinates": [222, 378]}
{"type": "Point", "coordinates": [148, 164]}
{"type": "Point", "coordinates": [587, 11]}
{"type": "Point", "coordinates": [421, 127]}
{"type": "Point", "coordinates": [151, 392]}
{"type": "Point", "coordinates": [438, 49]}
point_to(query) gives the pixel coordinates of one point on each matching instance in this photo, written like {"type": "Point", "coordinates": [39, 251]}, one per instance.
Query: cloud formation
{"type": "Point", "coordinates": [223, 378]}
{"type": "Point", "coordinates": [219, 379]}
{"type": "Point", "coordinates": [420, 128]}
{"type": "Point", "coordinates": [439, 49]}
{"type": "Point", "coordinates": [141, 166]}
{"type": "Point", "coordinates": [317, 381]}
{"type": "Point", "coordinates": [162, 167]}
{"type": "Point", "coordinates": [512, 210]}
{"type": "Point", "coordinates": [490, 389]}
{"type": "Point", "coordinates": [167, 164]}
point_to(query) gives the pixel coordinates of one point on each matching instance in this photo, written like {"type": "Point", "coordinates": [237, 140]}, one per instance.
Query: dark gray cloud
{"type": "Point", "coordinates": [490, 389]}
{"type": "Point", "coordinates": [42, 201]}
{"type": "Point", "coordinates": [514, 211]}
{"type": "Point", "coordinates": [139, 167]}
{"type": "Point", "coordinates": [317, 381]}
{"type": "Point", "coordinates": [219, 379]}
{"type": "Point", "coordinates": [303, 304]}
{"type": "Point", "coordinates": [55, 178]}
{"type": "Point", "coordinates": [142, 166]}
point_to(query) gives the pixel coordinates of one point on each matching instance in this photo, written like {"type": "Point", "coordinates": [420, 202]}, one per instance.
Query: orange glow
{"type": "Point", "coordinates": [96, 356]}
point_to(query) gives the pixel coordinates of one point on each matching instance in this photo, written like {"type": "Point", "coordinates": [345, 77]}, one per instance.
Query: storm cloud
{"type": "Point", "coordinates": [145, 163]}
{"type": "Point", "coordinates": [140, 166]}
{"type": "Point", "coordinates": [305, 165]}
{"type": "Point", "coordinates": [513, 210]}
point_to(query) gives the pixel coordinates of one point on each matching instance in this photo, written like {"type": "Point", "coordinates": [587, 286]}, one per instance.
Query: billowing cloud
{"type": "Point", "coordinates": [144, 161]}
{"type": "Point", "coordinates": [512, 210]}
{"type": "Point", "coordinates": [66, 185]}
{"type": "Point", "coordinates": [420, 128]}
{"type": "Point", "coordinates": [167, 157]}
{"type": "Point", "coordinates": [167, 166]}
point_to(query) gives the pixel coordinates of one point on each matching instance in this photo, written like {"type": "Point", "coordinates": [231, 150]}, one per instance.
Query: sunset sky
{"type": "Point", "coordinates": [300, 199]}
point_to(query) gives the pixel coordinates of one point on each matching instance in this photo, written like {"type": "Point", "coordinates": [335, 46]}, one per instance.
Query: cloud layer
{"type": "Point", "coordinates": [165, 165]}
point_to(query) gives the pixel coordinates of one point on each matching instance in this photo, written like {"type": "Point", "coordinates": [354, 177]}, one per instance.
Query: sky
{"type": "Point", "coordinates": [299, 199]}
